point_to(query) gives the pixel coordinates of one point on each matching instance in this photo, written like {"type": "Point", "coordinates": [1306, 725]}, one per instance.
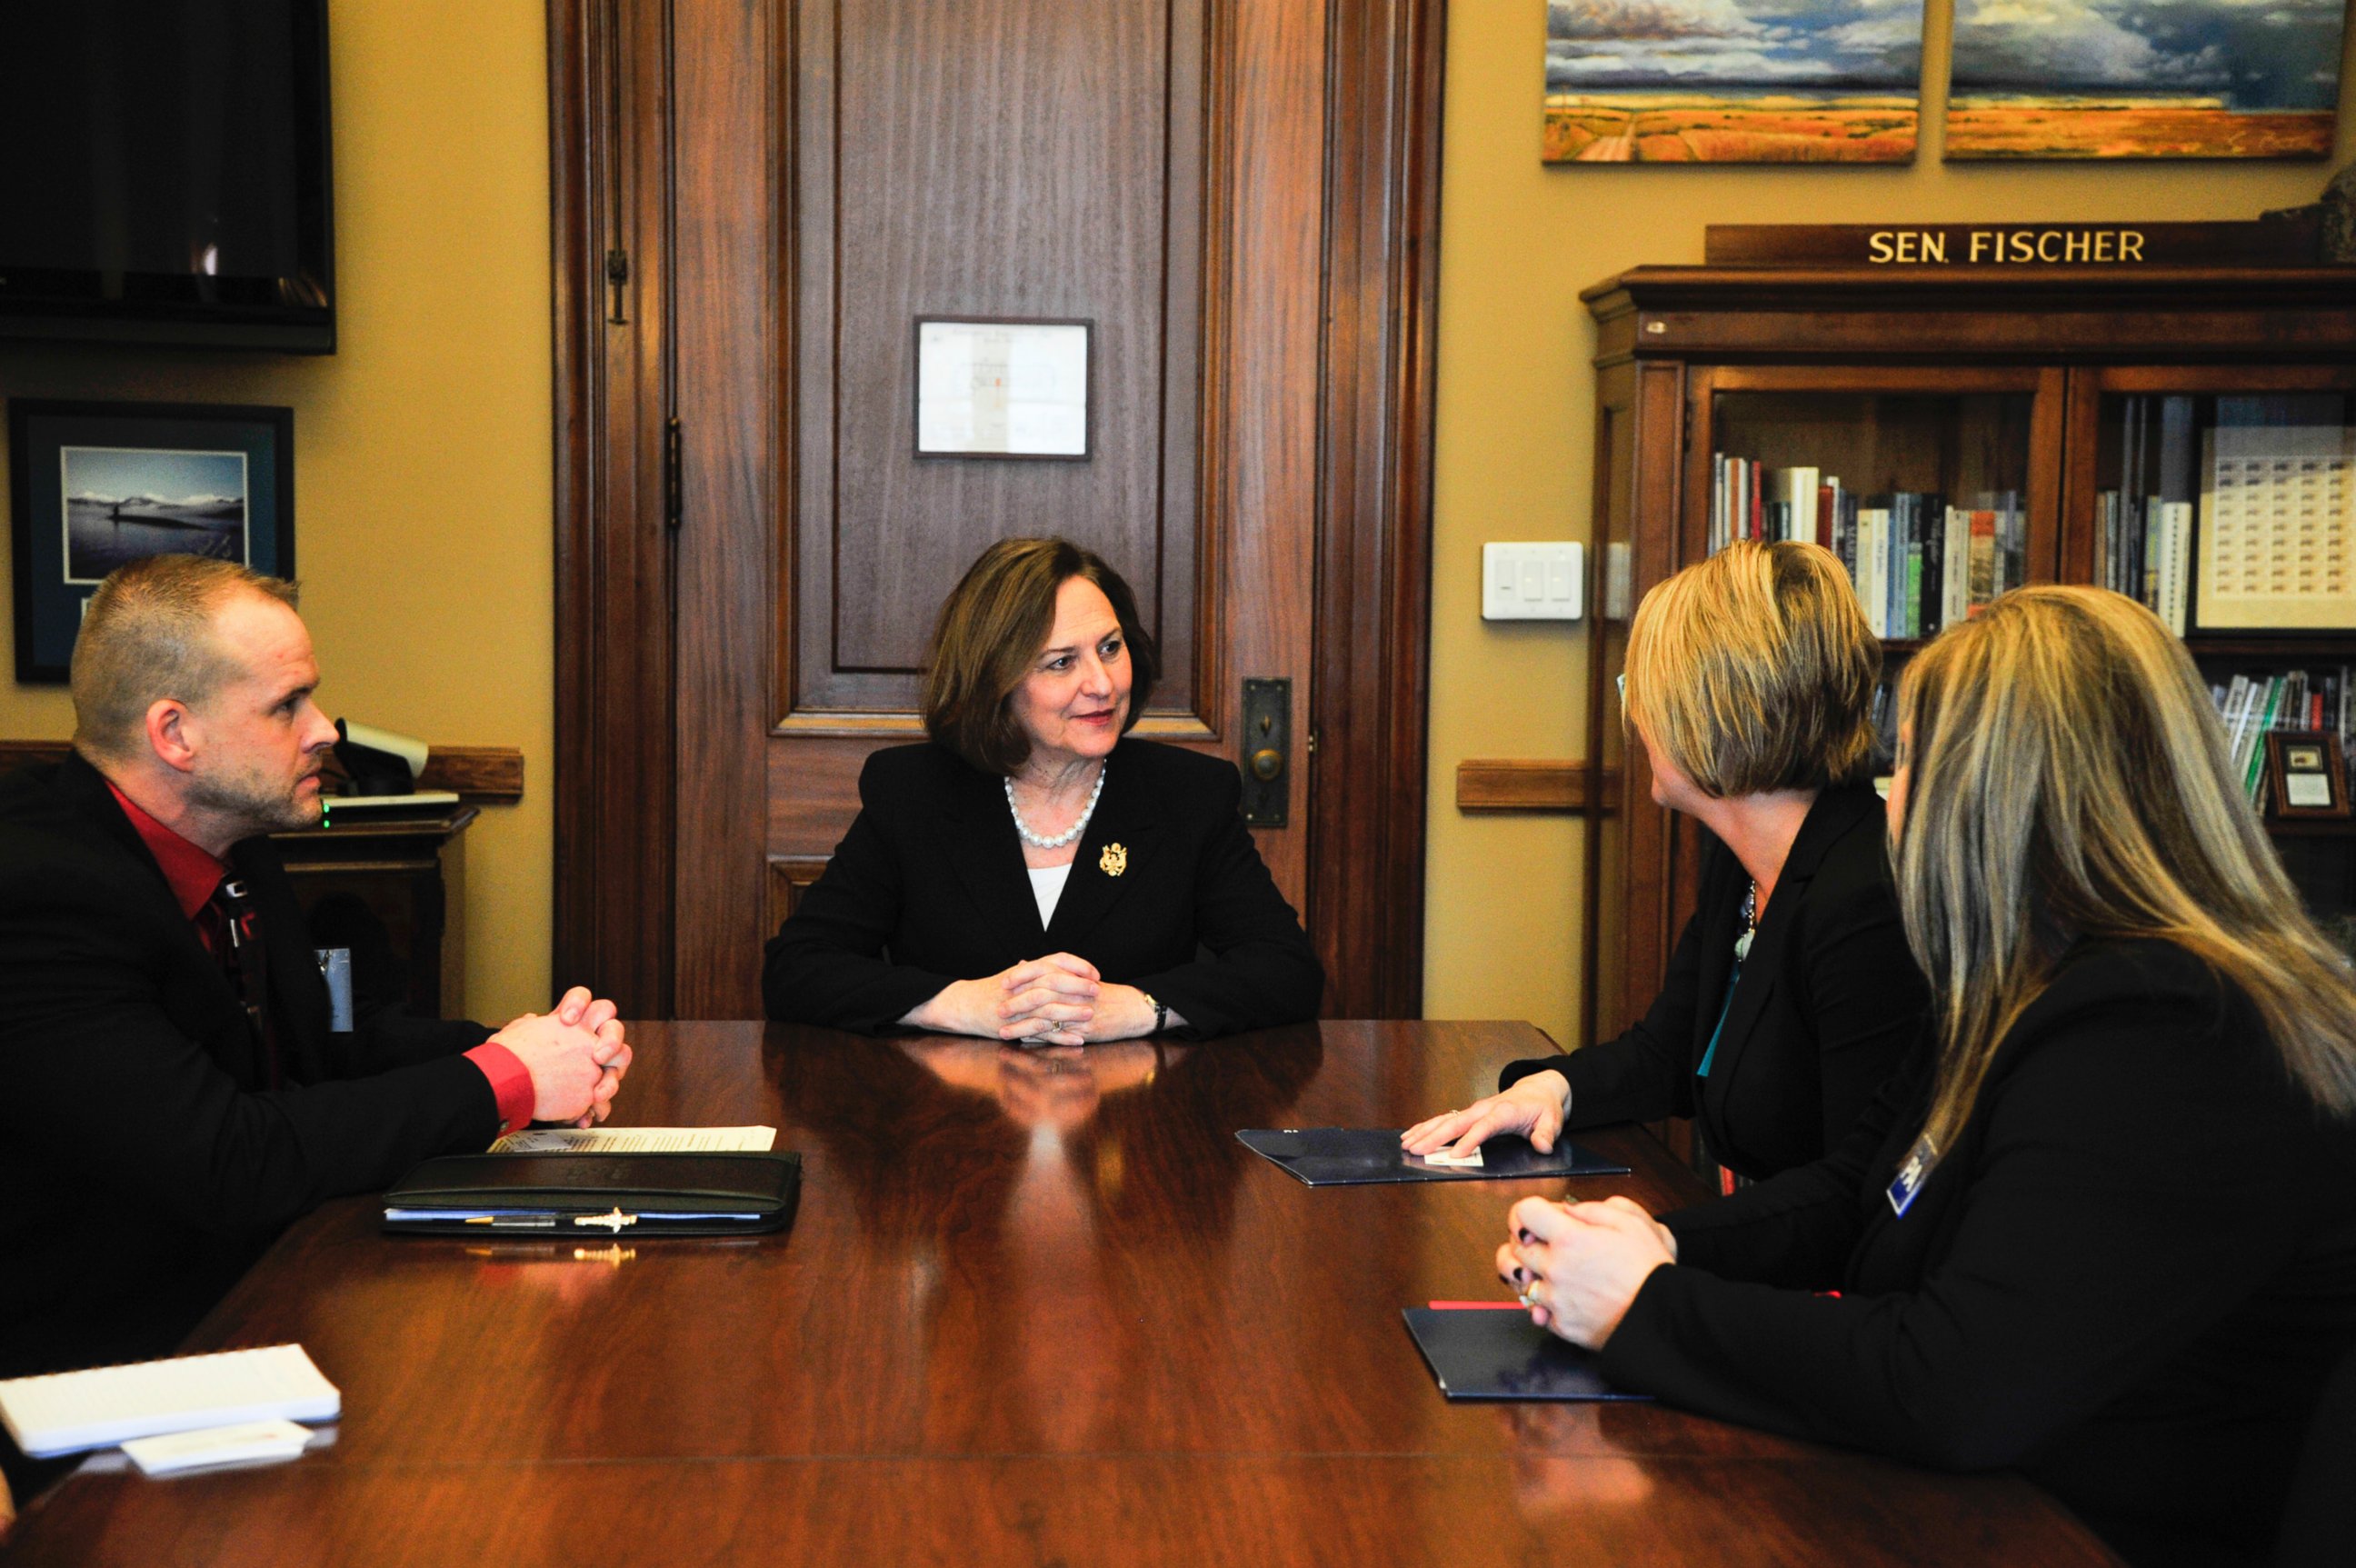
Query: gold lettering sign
{"type": "Point", "coordinates": [2273, 242]}
{"type": "Point", "coordinates": [2004, 247]}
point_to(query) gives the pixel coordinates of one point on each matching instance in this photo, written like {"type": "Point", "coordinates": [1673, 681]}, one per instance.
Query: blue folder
{"type": "Point", "coordinates": [1496, 1354]}
{"type": "Point", "coordinates": [1348, 1156]}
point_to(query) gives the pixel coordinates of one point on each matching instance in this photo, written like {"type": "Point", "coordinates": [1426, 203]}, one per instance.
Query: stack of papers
{"type": "Point", "coordinates": [66, 1412]}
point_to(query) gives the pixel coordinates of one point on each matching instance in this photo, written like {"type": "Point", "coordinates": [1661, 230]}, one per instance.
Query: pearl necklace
{"type": "Point", "coordinates": [1040, 841]}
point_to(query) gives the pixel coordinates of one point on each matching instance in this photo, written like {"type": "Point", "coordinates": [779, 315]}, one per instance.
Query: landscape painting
{"type": "Point", "coordinates": [2144, 78]}
{"type": "Point", "coordinates": [1733, 82]}
{"type": "Point", "coordinates": [126, 503]}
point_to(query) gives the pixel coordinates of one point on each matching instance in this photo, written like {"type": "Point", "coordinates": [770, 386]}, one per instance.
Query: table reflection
{"type": "Point", "coordinates": [1031, 1199]}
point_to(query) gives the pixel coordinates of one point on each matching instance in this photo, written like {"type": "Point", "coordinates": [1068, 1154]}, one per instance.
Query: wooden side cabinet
{"type": "Point", "coordinates": [392, 890]}
{"type": "Point", "coordinates": [2030, 382]}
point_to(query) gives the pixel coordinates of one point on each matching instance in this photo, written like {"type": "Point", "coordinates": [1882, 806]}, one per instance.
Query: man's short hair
{"type": "Point", "coordinates": [148, 634]}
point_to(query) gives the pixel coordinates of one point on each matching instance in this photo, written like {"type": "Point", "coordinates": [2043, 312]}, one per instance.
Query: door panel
{"type": "Point", "coordinates": [993, 158]}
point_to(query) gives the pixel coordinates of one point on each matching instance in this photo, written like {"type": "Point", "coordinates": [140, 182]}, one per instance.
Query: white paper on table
{"type": "Point", "coordinates": [244, 1443]}
{"type": "Point", "coordinates": [1442, 1157]}
{"type": "Point", "coordinates": [64, 1412]}
{"type": "Point", "coordinates": [636, 1141]}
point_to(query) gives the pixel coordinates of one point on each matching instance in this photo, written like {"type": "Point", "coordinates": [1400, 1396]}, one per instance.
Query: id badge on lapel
{"type": "Point", "coordinates": [1920, 1161]}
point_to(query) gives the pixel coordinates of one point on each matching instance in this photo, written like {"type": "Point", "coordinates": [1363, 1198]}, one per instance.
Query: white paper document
{"type": "Point", "coordinates": [66, 1412]}
{"type": "Point", "coordinates": [247, 1443]}
{"type": "Point", "coordinates": [635, 1140]}
{"type": "Point", "coordinates": [1442, 1157]}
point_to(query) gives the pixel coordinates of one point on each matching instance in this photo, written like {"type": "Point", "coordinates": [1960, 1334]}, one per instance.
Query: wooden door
{"type": "Point", "coordinates": [814, 174]}
{"type": "Point", "coordinates": [1028, 158]}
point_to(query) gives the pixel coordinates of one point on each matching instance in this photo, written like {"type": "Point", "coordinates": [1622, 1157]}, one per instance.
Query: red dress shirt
{"type": "Point", "coordinates": [194, 873]}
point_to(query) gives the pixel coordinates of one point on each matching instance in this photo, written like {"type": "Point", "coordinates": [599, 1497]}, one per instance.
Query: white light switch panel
{"type": "Point", "coordinates": [1543, 581]}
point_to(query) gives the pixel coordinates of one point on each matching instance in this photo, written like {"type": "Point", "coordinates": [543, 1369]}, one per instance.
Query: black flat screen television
{"type": "Point", "coordinates": [165, 175]}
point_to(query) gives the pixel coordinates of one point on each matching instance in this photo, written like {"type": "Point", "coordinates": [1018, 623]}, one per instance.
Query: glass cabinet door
{"type": "Point", "coordinates": [1934, 488]}
{"type": "Point", "coordinates": [2224, 499]}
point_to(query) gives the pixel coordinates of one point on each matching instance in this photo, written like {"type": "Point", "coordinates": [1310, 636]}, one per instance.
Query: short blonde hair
{"type": "Point", "coordinates": [1754, 671]}
{"type": "Point", "coordinates": [2067, 777]}
{"type": "Point", "coordinates": [147, 635]}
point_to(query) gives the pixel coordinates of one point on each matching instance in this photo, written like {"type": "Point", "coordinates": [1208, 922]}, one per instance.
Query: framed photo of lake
{"type": "Point", "coordinates": [95, 485]}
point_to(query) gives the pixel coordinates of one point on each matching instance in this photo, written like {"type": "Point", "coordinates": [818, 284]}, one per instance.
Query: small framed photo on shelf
{"type": "Point", "coordinates": [95, 485]}
{"type": "Point", "coordinates": [1004, 387]}
{"type": "Point", "coordinates": [2305, 774]}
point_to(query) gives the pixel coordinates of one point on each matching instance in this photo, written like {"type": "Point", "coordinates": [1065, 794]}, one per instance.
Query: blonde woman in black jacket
{"type": "Point", "coordinates": [1791, 996]}
{"type": "Point", "coordinates": [2108, 1236]}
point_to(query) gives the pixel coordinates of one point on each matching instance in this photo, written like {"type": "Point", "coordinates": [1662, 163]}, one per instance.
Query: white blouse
{"type": "Point", "coordinates": [1048, 886]}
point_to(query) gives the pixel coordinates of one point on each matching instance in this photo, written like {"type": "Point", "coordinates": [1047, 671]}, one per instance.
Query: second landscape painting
{"type": "Point", "coordinates": [1733, 82]}
{"type": "Point", "coordinates": [2145, 78]}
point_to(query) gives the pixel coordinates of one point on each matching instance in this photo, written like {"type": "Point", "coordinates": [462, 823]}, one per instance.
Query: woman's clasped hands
{"type": "Point", "coordinates": [1576, 1266]}
{"type": "Point", "coordinates": [1058, 1000]}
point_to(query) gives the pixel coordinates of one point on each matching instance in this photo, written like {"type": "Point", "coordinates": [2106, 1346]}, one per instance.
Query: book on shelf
{"type": "Point", "coordinates": [1918, 565]}
{"type": "Point", "coordinates": [2251, 706]}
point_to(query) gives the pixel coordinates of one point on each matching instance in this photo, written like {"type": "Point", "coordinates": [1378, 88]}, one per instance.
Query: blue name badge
{"type": "Point", "coordinates": [1919, 1161]}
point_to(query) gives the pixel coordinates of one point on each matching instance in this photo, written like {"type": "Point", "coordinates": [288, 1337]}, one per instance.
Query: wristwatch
{"type": "Point", "coordinates": [1161, 1014]}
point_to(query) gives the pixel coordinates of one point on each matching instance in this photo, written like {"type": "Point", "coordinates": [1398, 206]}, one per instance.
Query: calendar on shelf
{"type": "Point", "coordinates": [2278, 528]}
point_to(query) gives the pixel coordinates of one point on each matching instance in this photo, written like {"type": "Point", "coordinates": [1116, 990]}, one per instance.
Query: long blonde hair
{"type": "Point", "coordinates": [2068, 777]}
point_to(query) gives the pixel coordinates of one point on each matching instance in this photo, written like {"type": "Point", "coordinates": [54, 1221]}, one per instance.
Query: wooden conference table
{"type": "Point", "coordinates": [1035, 1309]}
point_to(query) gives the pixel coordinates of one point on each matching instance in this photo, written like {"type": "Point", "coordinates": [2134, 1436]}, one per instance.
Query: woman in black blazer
{"type": "Point", "coordinates": [2108, 1236]}
{"type": "Point", "coordinates": [1751, 680]}
{"type": "Point", "coordinates": [1030, 873]}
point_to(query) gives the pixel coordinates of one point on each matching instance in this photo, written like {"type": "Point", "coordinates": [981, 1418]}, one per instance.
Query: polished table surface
{"type": "Point", "coordinates": [1035, 1308]}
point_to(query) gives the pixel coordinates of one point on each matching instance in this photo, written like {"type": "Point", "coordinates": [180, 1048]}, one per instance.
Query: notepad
{"type": "Point", "coordinates": [635, 1140]}
{"type": "Point", "coordinates": [66, 1412]}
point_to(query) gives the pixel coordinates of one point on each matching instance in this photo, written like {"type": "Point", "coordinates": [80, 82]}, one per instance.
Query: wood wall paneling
{"type": "Point", "coordinates": [1534, 784]}
{"type": "Point", "coordinates": [608, 78]}
{"type": "Point", "coordinates": [790, 876]}
{"type": "Point", "coordinates": [726, 209]}
{"type": "Point", "coordinates": [1373, 565]}
{"type": "Point", "coordinates": [478, 774]}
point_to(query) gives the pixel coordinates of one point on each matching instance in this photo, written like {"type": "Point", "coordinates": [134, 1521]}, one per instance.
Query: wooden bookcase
{"type": "Point", "coordinates": [1948, 378]}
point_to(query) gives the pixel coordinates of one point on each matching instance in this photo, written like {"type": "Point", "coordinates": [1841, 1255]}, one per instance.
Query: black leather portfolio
{"type": "Point", "coordinates": [1497, 1353]}
{"type": "Point", "coordinates": [1349, 1156]}
{"type": "Point", "coordinates": [739, 1193]}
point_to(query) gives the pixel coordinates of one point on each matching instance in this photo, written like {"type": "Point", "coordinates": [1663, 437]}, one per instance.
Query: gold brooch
{"type": "Point", "coordinates": [1115, 860]}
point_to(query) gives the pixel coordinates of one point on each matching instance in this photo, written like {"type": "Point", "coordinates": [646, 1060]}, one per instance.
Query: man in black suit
{"type": "Point", "coordinates": [171, 1092]}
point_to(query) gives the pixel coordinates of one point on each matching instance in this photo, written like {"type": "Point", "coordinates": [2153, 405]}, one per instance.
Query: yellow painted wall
{"type": "Point", "coordinates": [422, 445]}
{"type": "Point", "coordinates": [1518, 240]}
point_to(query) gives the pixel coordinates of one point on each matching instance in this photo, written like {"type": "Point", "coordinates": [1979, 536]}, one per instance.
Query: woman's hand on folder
{"type": "Point", "coordinates": [1533, 1107]}
{"type": "Point", "coordinates": [576, 1057]}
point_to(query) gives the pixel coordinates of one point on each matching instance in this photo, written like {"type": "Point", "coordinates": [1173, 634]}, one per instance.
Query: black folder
{"type": "Point", "coordinates": [1497, 1353]}
{"type": "Point", "coordinates": [735, 1193]}
{"type": "Point", "coordinates": [1347, 1156]}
